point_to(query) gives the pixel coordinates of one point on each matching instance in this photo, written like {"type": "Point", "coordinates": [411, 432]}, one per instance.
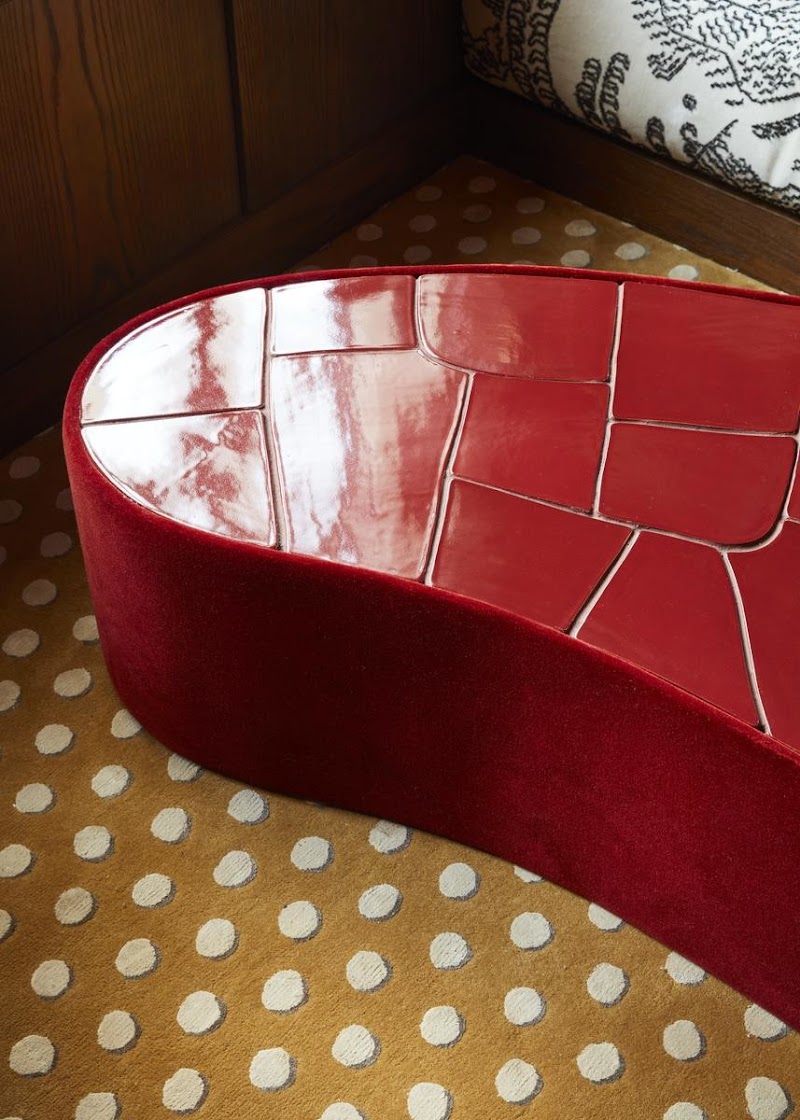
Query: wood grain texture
{"type": "Point", "coordinates": [117, 140]}
{"type": "Point", "coordinates": [320, 78]}
{"type": "Point", "coordinates": [270, 241]}
{"type": "Point", "coordinates": [653, 194]}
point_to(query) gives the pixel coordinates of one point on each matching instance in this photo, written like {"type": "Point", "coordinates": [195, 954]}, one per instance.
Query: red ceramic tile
{"type": "Point", "coordinates": [536, 561]}
{"type": "Point", "coordinates": [204, 358]}
{"type": "Point", "coordinates": [528, 326]}
{"type": "Point", "coordinates": [362, 439]}
{"type": "Point", "coordinates": [793, 508]}
{"type": "Point", "coordinates": [768, 583]}
{"type": "Point", "coordinates": [356, 313]}
{"type": "Point", "coordinates": [539, 438]}
{"type": "Point", "coordinates": [207, 471]}
{"type": "Point", "coordinates": [699, 358]}
{"type": "Point", "coordinates": [670, 609]}
{"type": "Point", "coordinates": [723, 488]}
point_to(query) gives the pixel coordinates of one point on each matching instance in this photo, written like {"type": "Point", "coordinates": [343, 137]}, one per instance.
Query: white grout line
{"type": "Point", "coordinates": [612, 381]}
{"type": "Point", "coordinates": [444, 490]}
{"type": "Point", "coordinates": [747, 646]}
{"type": "Point", "coordinates": [699, 428]}
{"type": "Point", "coordinates": [591, 602]}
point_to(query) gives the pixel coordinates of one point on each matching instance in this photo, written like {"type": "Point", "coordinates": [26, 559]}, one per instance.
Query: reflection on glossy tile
{"type": "Point", "coordinates": [362, 439]}
{"type": "Point", "coordinates": [710, 360]}
{"type": "Point", "coordinates": [206, 471]}
{"type": "Point", "coordinates": [539, 562]}
{"type": "Point", "coordinates": [539, 438]}
{"type": "Point", "coordinates": [355, 313]}
{"type": "Point", "coordinates": [204, 358]}
{"type": "Point", "coordinates": [728, 489]}
{"type": "Point", "coordinates": [526, 326]}
{"type": "Point", "coordinates": [670, 608]}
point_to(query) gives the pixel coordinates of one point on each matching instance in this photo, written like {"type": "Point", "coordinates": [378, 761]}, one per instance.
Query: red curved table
{"type": "Point", "coordinates": [510, 554]}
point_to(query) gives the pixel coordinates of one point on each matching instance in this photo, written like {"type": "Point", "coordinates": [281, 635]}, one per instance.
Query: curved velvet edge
{"type": "Point", "coordinates": [385, 697]}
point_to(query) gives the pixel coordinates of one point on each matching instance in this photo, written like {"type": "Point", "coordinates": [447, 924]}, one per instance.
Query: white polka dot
{"type": "Point", "coordinates": [55, 544]}
{"type": "Point", "coordinates": [428, 193]}
{"type": "Point", "coordinates": [530, 205]}
{"type": "Point", "coordinates": [442, 1026]}
{"type": "Point", "coordinates": [480, 212]}
{"type": "Point", "coordinates": [342, 1110]}
{"type": "Point", "coordinates": [153, 890]}
{"type": "Point", "coordinates": [380, 902]}
{"type": "Point", "coordinates": [171, 825]}
{"type": "Point", "coordinates": [607, 984]}
{"type": "Point", "coordinates": [85, 629]}
{"type": "Point", "coordinates": [25, 466]}
{"type": "Point", "coordinates": [285, 991]}
{"type": "Point", "coordinates": [367, 971]}
{"type": "Point", "coordinates": [684, 1110]}
{"type": "Point", "coordinates": [388, 838]}
{"type": "Point", "coordinates": [7, 924]}
{"type": "Point", "coordinates": [604, 919]}
{"type": "Point", "coordinates": [299, 920]}
{"type": "Point", "coordinates": [761, 1024]}
{"type": "Point", "coordinates": [600, 1062]}
{"type": "Point", "coordinates": [9, 511]}
{"type": "Point", "coordinates": [428, 1101]}
{"type": "Point", "coordinates": [416, 254]}
{"type": "Point", "coordinates": [136, 958]}
{"type": "Point", "coordinates": [185, 1091]}
{"type": "Point", "coordinates": [98, 1106]}
{"type": "Point", "coordinates": [449, 950]}
{"type": "Point", "coordinates": [526, 235]}
{"type": "Point", "coordinates": [181, 769]}
{"type": "Point", "coordinates": [766, 1099]}
{"type": "Point", "coordinates": [422, 223]}
{"type": "Point", "coordinates": [369, 232]}
{"type": "Point", "coordinates": [312, 853]}
{"type": "Point", "coordinates": [35, 798]}
{"type": "Point", "coordinates": [9, 695]}
{"type": "Point", "coordinates": [580, 227]}
{"type": "Point", "coordinates": [272, 1070]}
{"type": "Point", "coordinates": [683, 971]}
{"type": "Point", "coordinates": [518, 1082]}
{"type": "Point", "coordinates": [54, 738]}
{"type": "Point", "coordinates": [64, 500]}
{"type": "Point", "coordinates": [631, 251]}
{"type": "Point", "coordinates": [124, 725]}
{"type": "Point", "coordinates": [481, 184]}
{"type": "Point", "coordinates": [15, 860]}
{"type": "Point", "coordinates": [576, 258]}
{"type": "Point", "coordinates": [355, 1047]}
{"type": "Point", "coordinates": [248, 807]}
{"type": "Point", "coordinates": [32, 1056]}
{"type": "Point", "coordinates": [51, 979]}
{"type": "Point", "coordinates": [235, 869]}
{"type": "Point", "coordinates": [683, 1041]}
{"type": "Point", "coordinates": [74, 906]}
{"type": "Point", "coordinates": [118, 1032]}
{"type": "Point", "coordinates": [459, 881]}
{"type": "Point", "coordinates": [524, 1006]}
{"type": "Point", "coordinates": [363, 260]}
{"type": "Point", "coordinates": [200, 1013]}
{"type": "Point", "coordinates": [469, 246]}
{"type": "Point", "coordinates": [531, 931]}
{"type": "Point", "coordinates": [93, 843]}
{"type": "Point", "coordinates": [111, 781]}
{"type": "Point", "coordinates": [683, 272]}
{"type": "Point", "coordinates": [216, 939]}
{"type": "Point", "coordinates": [72, 683]}
{"type": "Point", "coordinates": [39, 592]}
{"type": "Point", "coordinates": [21, 643]}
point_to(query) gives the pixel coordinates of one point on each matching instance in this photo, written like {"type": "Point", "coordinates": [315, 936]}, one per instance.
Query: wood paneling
{"type": "Point", "coordinates": [116, 135]}
{"type": "Point", "coordinates": [320, 78]}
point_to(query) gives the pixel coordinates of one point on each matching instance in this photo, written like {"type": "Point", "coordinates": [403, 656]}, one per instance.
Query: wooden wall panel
{"type": "Point", "coordinates": [320, 78]}
{"type": "Point", "coordinates": [118, 151]}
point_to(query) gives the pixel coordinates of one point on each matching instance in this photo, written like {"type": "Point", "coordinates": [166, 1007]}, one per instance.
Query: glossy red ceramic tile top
{"type": "Point", "coordinates": [539, 562]}
{"type": "Point", "coordinates": [768, 582]}
{"type": "Point", "coordinates": [793, 507]}
{"type": "Point", "coordinates": [708, 360]}
{"type": "Point", "coordinates": [728, 489]}
{"type": "Point", "coordinates": [671, 609]}
{"type": "Point", "coordinates": [207, 357]}
{"type": "Point", "coordinates": [206, 471]}
{"type": "Point", "coordinates": [355, 313]}
{"type": "Point", "coordinates": [539, 438]}
{"type": "Point", "coordinates": [526, 326]}
{"type": "Point", "coordinates": [362, 440]}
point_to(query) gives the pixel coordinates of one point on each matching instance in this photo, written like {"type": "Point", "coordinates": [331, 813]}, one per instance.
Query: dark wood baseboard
{"type": "Point", "coordinates": [269, 241]}
{"type": "Point", "coordinates": [651, 193]}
